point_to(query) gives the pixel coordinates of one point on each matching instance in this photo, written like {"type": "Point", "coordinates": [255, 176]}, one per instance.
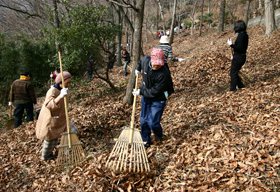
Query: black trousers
{"type": "Point", "coordinates": [236, 65]}
{"type": "Point", "coordinates": [19, 110]}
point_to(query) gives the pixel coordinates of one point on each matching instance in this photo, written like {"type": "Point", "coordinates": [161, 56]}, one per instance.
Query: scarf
{"type": "Point", "coordinates": [24, 78]}
{"type": "Point", "coordinates": [57, 86]}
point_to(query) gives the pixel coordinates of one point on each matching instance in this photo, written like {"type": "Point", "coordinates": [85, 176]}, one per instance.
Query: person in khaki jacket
{"type": "Point", "coordinates": [51, 122]}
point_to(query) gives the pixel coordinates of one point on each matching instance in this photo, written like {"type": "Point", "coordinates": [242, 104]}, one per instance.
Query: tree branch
{"type": "Point", "coordinates": [21, 11]}
{"type": "Point", "coordinates": [124, 4]}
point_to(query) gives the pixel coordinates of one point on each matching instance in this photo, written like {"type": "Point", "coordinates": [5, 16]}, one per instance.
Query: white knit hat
{"type": "Point", "coordinates": [164, 39]}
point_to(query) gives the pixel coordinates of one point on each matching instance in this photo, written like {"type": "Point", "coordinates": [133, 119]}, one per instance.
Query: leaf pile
{"type": "Point", "coordinates": [215, 140]}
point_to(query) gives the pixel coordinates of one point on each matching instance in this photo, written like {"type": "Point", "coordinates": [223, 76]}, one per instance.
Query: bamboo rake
{"type": "Point", "coordinates": [129, 153]}
{"type": "Point", "coordinates": [70, 151]}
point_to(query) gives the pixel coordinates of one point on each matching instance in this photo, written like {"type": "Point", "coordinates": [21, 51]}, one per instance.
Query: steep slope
{"type": "Point", "coordinates": [216, 140]}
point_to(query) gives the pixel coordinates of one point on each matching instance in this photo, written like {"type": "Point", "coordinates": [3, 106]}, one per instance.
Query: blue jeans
{"type": "Point", "coordinates": [125, 64]}
{"type": "Point", "coordinates": [150, 116]}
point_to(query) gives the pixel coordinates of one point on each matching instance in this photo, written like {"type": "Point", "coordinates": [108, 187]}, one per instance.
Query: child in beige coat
{"type": "Point", "coordinates": [52, 120]}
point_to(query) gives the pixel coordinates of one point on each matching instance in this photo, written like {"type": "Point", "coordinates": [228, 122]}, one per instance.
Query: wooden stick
{"type": "Point", "coordinates": [133, 112]}
{"type": "Point", "coordinates": [65, 100]}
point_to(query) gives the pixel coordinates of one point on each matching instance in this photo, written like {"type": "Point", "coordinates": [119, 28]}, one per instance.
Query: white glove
{"type": "Point", "coordinates": [166, 94]}
{"type": "Point", "coordinates": [10, 103]}
{"type": "Point", "coordinates": [63, 92]}
{"type": "Point", "coordinates": [181, 59]}
{"type": "Point", "coordinates": [136, 92]}
{"type": "Point", "coordinates": [229, 42]}
{"type": "Point", "coordinates": [51, 75]}
{"type": "Point", "coordinates": [137, 72]}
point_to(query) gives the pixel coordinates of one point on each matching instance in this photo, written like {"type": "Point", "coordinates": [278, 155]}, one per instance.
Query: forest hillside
{"type": "Point", "coordinates": [216, 140]}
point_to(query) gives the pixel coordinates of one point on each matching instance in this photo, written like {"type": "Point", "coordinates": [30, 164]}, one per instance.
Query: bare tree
{"type": "Point", "coordinates": [193, 17]}
{"type": "Point", "coordinates": [247, 11]}
{"type": "Point", "coordinates": [201, 17]}
{"type": "Point", "coordinates": [23, 16]}
{"type": "Point", "coordinates": [173, 23]}
{"type": "Point", "coordinates": [139, 15]}
{"type": "Point", "coordinates": [208, 6]}
{"type": "Point", "coordinates": [24, 7]}
{"type": "Point", "coordinates": [161, 14]}
{"type": "Point", "coordinates": [222, 15]}
{"type": "Point", "coordinates": [260, 4]}
{"type": "Point", "coordinates": [270, 25]}
{"type": "Point", "coordinates": [119, 36]}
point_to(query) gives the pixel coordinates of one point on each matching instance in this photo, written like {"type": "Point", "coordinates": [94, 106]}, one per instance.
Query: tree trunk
{"type": "Point", "coordinates": [208, 6]}
{"type": "Point", "coordinates": [106, 79]}
{"type": "Point", "coordinates": [269, 17]}
{"type": "Point", "coordinates": [161, 15]}
{"type": "Point", "coordinates": [173, 23]}
{"type": "Point", "coordinates": [201, 17]}
{"type": "Point", "coordinates": [119, 37]}
{"type": "Point", "coordinates": [137, 39]}
{"type": "Point", "coordinates": [157, 18]}
{"type": "Point", "coordinates": [222, 15]}
{"type": "Point", "coordinates": [126, 19]}
{"type": "Point", "coordinates": [192, 17]}
{"type": "Point", "coordinates": [247, 11]}
{"type": "Point", "coordinates": [56, 23]}
{"type": "Point", "coordinates": [260, 4]}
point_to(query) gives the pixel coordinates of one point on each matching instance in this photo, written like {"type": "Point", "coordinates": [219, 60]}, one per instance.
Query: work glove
{"type": "Point", "coordinates": [181, 59]}
{"type": "Point", "coordinates": [10, 103]}
{"type": "Point", "coordinates": [229, 42]}
{"type": "Point", "coordinates": [166, 94]}
{"type": "Point", "coordinates": [63, 92]}
{"type": "Point", "coordinates": [137, 72]}
{"type": "Point", "coordinates": [136, 92]}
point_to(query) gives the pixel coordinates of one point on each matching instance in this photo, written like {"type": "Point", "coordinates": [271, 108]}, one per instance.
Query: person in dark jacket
{"type": "Point", "coordinates": [154, 92]}
{"type": "Point", "coordinates": [22, 96]}
{"type": "Point", "coordinates": [90, 63]}
{"type": "Point", "coordinates": [239, 49]}
{"type": "Point", "coordinates": [126, 60]}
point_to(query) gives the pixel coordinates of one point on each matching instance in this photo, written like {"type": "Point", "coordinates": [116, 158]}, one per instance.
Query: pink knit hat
{"type": "Point", "coordinates": [66, 75]}
{"type": "Point", "coordinates": [157, 56]}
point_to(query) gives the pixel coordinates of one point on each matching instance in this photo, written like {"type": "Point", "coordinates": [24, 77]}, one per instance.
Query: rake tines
{"type": "Point", "coordinates": [129, 153]}
{"type": "Point", "coordinates": [70, 155]}
{"type": "Point", "coordinates": [128, 156]}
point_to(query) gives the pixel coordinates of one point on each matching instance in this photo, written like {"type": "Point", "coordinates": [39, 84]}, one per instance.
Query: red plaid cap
{"type": "Point", "coordinates": [157, 56]}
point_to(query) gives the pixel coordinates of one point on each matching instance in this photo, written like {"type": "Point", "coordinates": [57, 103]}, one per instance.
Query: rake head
{"type": "Point", "coordinates": [129, 155]}
{"type": "Point", "coordinates": [72, 154]}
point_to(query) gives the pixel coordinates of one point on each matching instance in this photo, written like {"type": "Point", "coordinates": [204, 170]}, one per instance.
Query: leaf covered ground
{"type": "Point", "coordinates": [216, 140]}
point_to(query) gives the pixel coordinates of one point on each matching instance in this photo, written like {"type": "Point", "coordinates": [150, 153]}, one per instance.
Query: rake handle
{"type": "Point", "coordinates": [10, 111]}
{"type": "Point", "coordinates": [133, 112]}
{"type": "Point", "coordinates": [65, 101]}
